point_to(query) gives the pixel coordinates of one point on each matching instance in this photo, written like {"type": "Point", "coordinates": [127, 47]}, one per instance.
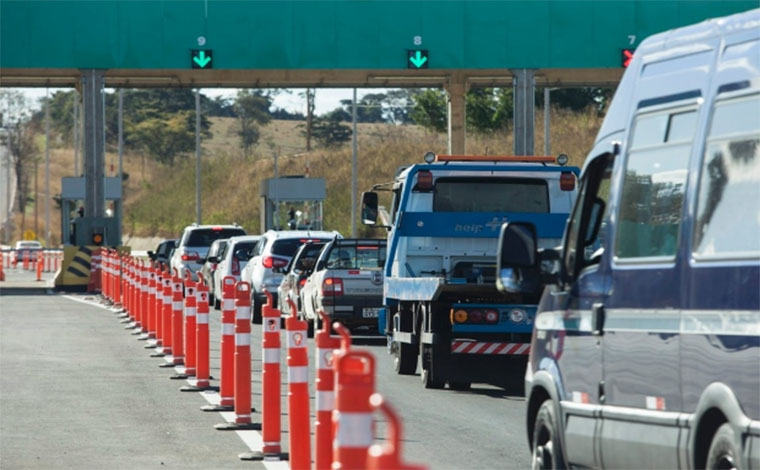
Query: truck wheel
{"type": "Point", "coordinates": [427, 360]}
{"type": "Point", "coordinates": [405, 359]}
{"type": "Point", "coordinates": [255, 311]}
{"type": "Point", "coordinates": [547, 452]}
{"type": "Point", "coordinates": [460, 386]}
{"type": "Point", "coordinates": [723, 453]}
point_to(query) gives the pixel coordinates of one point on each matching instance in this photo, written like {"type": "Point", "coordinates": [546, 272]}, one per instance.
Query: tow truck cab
{"type": "Point", "coordinates": [439, 289]}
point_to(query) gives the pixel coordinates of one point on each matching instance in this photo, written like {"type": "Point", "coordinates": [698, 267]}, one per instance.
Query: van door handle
{"type": "Point", "coordinates": [597, 319]}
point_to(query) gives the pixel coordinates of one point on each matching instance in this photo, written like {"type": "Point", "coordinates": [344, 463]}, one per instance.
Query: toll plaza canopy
{"type": "Point", "coordinates": [332, 43]}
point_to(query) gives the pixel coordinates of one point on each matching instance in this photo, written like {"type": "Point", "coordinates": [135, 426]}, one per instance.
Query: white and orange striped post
{"type": "Point", "coordinates": [227, 369]}
{"type": "Point", "coordinates": [202, 361]}
{"type": "Point", "coordinates": [325, 391]}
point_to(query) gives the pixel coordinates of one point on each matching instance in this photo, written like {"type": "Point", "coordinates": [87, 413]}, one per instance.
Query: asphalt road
{"type": "Point", "coordinates": [77, 390]}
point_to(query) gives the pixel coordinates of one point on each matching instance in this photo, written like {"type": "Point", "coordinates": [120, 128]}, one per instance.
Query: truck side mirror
{"type": "Point", "coordinates": [369, 208]}
{"type": "Point", "coordinates": [516, 261]}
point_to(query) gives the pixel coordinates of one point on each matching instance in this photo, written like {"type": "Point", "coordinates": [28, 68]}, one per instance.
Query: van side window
{"type": "Point", "coordinates": [727, 223]}
{"type": "Point", "coordinates": [654, 184]}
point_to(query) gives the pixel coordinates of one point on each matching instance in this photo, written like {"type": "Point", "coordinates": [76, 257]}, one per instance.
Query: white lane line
{"type": "Point", "coordinates": [252, 439]}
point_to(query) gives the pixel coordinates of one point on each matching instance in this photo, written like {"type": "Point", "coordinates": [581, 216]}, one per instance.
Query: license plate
{"type": "Point", "coordinates": [370, 312]}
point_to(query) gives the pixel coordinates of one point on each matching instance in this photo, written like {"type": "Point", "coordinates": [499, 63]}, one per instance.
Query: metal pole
{"type": "Point", "coordinates": [353, 168]}
{"type": "Point", "coordinates": [121, 134]}
{"type": "Point", "coordinates": [198, 155]}
{"type": "Point", "coordinates": [76, 133]}
{"type": "Point", "coordinates": [94, 143]}
{"type": "Point", "coordinates": [547, 140]}
{"type": "Point", "coordinates": [275, 212]}
{"type": "Point", "coordinates": [47, 168]}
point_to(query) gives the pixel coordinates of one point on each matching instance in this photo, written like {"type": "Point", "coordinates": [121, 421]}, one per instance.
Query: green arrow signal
{"type": "Point", "coordinates": [418, 60]}
{"type": "Point", "coordinates": [202, 60]}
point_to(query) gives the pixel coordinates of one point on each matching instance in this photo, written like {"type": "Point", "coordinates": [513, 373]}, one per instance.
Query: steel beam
{"type": "Point", "coordinates": [94, 142]}
{"type": "Point", "coordinates": [455, 101]}
{"type": "Point", "coordinates": [524, 111]}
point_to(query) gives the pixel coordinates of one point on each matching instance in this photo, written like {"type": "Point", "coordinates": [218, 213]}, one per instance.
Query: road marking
{"type": "Point", "coordinates": [252, 439]}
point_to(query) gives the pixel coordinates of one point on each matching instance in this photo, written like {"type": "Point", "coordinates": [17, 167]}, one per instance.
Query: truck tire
{"type": "Point", "coordinates": [405, 359]}
{"type": "Point", "coordinates": [723, 453]}
{"type": "Point", "coordinates": [428, 365]}
{"type": "Point", "coordinates": [547, 450]}
{"type": "Point", "coordinates": [460, 386]}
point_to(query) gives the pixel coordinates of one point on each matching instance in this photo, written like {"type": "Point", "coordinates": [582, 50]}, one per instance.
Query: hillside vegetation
{"type": "Point", "coordinates": [165, 203]}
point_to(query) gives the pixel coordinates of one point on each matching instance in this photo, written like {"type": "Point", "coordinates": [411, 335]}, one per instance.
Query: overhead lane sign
{"type": "Point", "coordinates": [417, 58]}
{"type": "Point", "coordinates": [202, 59]}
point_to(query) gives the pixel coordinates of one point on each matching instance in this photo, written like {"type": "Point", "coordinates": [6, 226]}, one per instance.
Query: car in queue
{"type": "Point", "coordinates": [210, 263]}
{"type": "Point", "coordinates": [235, 256]}
{"type": "Point", "coordinates": [195, 242]}
{"type": "Point", "coordinates": [295, 273]}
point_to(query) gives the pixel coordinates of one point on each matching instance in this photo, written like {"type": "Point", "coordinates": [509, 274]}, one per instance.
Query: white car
{"type": "Point", "coordinates": [193, 247]}
{"type": "Point", "coordinates": [232, 261]}
{"type": "Point", "coordinates": [271, 254]}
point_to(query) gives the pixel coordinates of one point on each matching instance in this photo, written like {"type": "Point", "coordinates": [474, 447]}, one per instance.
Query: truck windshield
{"type": "Point", "coordinates": [490, 195]}
{"type": "Point", "coordinates": [356, 257]}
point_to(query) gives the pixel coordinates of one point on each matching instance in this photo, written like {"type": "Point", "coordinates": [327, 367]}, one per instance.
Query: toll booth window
{"type": "Point", "coordinates": [654, 183]}
{"type": "Point", "coordinates": [357, 257]}
{"type": "Point", "coordinates": [205, 237]}
{"type": "Point", "coordinates": [491, 195]}
{"type": "Point", "coordinates": [727, 223]}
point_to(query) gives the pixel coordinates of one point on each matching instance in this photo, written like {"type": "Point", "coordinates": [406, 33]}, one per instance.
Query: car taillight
{"type": "Point", "coordinates": [272, 262]}
{"type": "Point", "coordinates": [332, 286]}
{"type": "Point", "coordinates": [235, 267]}
{"type": "Point", "coordinates": [190, 256]}
{"type": "Point", "coordinates": [567, 181]}
{"type": "Point", "coordinates": [302, 282]}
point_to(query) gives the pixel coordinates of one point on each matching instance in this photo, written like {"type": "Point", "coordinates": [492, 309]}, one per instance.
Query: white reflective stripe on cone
{"type": "Point", "coordinates": [242, 416]}
{"type": "Point", "coordinates": [271, 355]}
{"type": "Point", "coordinates": [298, 374]}
{"type": "Point", "coordinates": [228, 304]}
{"type": "Point", "coordinates": [202, 319]}
{"type": "Point", "coordinates": [190, 311]}
{"type": "Point", "coordinates": [325, 400]}
{"type": "Point", "coordinates": [297, 339]}
{"type": "Point", "coordinates": [242, 339]}
{"type": "Point", "coordinates": [177, 305]}
{"type": "Point", "coordinates": [243, 312]}
{"type": "Point", "coordinates": [228, 329]}
{"type": "Point", "coordinates": [354, 429]}
{"type": "Point", "coordinates": [325, 358]}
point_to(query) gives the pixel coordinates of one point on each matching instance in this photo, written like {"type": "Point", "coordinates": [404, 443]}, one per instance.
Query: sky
{"type": "Point", "coordinates": [327, 99]}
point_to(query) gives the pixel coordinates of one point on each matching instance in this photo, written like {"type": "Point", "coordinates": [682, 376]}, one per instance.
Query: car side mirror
{"type": "Point", "coordinates": [369, 208]}
{"type": "Point", "coordinates": [517, 258]}
{"type": "Point", "coordinates": [151, 255]}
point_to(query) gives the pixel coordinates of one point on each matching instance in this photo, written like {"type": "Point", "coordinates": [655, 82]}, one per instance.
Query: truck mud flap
{"type": "Point", "coordinates": [402, 337]}
{"type": "Point", "coordinates": [430, 338]}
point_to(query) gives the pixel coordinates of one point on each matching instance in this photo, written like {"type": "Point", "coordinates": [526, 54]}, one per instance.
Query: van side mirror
{"type": "Point", "coordinates": [516, 261]}
{"type": "Point", "coordinates": [369, 208]}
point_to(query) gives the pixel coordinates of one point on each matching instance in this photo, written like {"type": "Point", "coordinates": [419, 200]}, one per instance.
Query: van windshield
{"type": "Point", "coordinates": [491, 195]}
{"type": "Point", "coordinates": [206, 236]}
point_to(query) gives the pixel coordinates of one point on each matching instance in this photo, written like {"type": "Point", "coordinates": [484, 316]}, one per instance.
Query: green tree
{"type": "Point", "coordinates": [430, 110]}
{"type": "Point", "coordinates": [164, 138]}
{"type": "Point", "coordinates": [330, 132]}
{"type": "Point", "coordinates": [252, 108]}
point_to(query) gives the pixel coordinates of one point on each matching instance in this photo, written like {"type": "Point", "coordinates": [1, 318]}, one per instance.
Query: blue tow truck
{"type": "Point", "coordinates": [440, 296]}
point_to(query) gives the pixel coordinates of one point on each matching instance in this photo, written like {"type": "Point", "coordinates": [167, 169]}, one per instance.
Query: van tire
{"type": "Point", "coordinates": [217, 304]}
{"type": "Point", "coordinates": [547, 450]}
{"type": "Point", "coordinates": [255, 311]}
{"type": "Point", "coordinates": [405, 359]}
{"type": "Point", "coordinates": [723, 453]}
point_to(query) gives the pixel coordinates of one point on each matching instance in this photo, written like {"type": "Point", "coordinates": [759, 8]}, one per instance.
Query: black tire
{"type": "Point", "coordinates": [460, 386]}
{"type": "Point", "coordinates": [309, 326]}
{"type": "Point", "coordinates": [723, 453]}
{"type": "Point", "coordinates": [211, 300]}
{"type": "Point", "coordinates": [547, 450]}
{"type": "Point", "coordinates": [427, 364]}
{"type": "Point", "coordinates": [405, 359]}
{"type": "Point", "coordinates": [217, 304]}
{"type": "Point", "coordinates": [255, 311]}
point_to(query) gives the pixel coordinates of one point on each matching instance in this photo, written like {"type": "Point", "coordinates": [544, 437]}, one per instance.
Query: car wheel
{"type": "Point", "coordinates": [723, 454]}
{"type": "Point", "coordinates": [255, 311]}
{"type": "Point", "coordinates": [211, 300]}
{"type": "Point", "coordinates": [217, 304]}
{"type": "Point", "coordinates": [460, 386]}
{"type": "Point", "coordinates": [405, 359]}
{"type": "Point", "coordinates": [547, 452]}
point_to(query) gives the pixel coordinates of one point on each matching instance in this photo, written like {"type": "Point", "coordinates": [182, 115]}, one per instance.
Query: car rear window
{"type": "Point", "coordinates": [357, 257]}
{"type": "Point", "coordinates": [243, 251]}
{"type": "Point", "coordinates": [289, 246]}
{"type": "Point", "coordinates": [206, 236]}
{"type": "Point", "coordinates": [491, 195]}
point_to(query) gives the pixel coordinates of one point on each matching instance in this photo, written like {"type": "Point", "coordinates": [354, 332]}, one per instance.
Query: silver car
{"type": "Point", "coordinates": [233, 260]}
{"type": "Point", "coordinates": [193, 247]}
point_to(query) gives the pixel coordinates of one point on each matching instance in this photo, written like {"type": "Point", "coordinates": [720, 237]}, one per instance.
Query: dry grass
{"type": "Point", "coordinates": [162, 202]}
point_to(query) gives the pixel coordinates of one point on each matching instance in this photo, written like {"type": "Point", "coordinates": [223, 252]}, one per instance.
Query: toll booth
{"type": "Point", "coordinates": [292, 202]}
{"type": "Point", "coordinates": [78, 230]}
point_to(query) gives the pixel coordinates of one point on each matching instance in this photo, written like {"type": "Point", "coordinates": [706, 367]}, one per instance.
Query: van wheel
{"type": "Point", "coordinates": [211, 300]}
{"type": "Point", "coordinates": [217, 304]}
{"type": "Point", "coordinates": [723, 454]}
{"type": "Point", "coordinates": [405, 359]}
{"type": "Point", "coordinates": [255, 311]}
{"type": "Point", "coordinates": [547, 453]}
